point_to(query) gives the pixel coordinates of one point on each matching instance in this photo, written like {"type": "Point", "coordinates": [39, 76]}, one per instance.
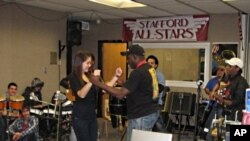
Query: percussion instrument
{"type": "Point", "coordinates": [49, 121]}
{"type": "Point", "coordinates": [16, 102]}
{"type": "Point", "coordinates": [2, 102]}
{"type": "Point", "coordinates": [118, 111]}
{"type": "Point", "coordinates": [36, 111]}
{"type": "Point", "coordinates": [67, 103]}
{"type": "Point", "coordinates": [48, 112]}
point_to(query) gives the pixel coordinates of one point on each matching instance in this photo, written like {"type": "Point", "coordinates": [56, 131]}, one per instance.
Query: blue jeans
{"type": "Point", "coordinates": [143, 123]}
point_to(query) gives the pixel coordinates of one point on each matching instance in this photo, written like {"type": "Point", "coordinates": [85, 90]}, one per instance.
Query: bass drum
{"type": "Point", "coordinates": [118, 111]}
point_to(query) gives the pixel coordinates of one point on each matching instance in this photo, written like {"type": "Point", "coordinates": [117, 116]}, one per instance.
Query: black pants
{"type": "Point", "coordinates": [85, 130]}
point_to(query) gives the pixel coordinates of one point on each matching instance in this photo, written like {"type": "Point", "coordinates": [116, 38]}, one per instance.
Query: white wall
{"type": "Point", "coordinates": [28, 35]}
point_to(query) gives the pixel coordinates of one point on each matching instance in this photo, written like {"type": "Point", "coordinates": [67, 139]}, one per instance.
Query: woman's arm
{"type": "Point", "coordinates": [85, 89]}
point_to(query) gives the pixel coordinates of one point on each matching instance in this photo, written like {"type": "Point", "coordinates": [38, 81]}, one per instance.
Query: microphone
{"type": "Point", "coordinates": [199, 82]}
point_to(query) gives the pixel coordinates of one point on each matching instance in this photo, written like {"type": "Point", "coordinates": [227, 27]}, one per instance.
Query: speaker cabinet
{"type": "Point", "coordinates": [74, 33]}
{"type": "Point", "coordinates": [188, 103]}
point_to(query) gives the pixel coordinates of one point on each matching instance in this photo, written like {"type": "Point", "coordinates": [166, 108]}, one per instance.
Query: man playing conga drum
{"type": "Point", "coordinates": [5, 109]}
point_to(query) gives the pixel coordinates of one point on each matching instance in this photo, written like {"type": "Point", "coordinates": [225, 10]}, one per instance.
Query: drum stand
{"type": "Point", "coordinates": [34, 98]}
{"type": "Point", "coordinates": [8, 116]}
{"type": "Point", "coordinates": [7, 123]}
{"type": "Point", "coordinates": [58, 133]}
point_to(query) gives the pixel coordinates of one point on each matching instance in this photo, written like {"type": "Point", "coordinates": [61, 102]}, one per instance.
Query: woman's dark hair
{"type": "Point", "coordinates": [25, 106]}
{"type": "Point", "coordinates": [80, 57]}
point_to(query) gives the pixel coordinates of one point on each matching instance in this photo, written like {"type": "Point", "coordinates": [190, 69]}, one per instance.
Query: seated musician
{"type": "Point", "coordinates": [5, 112]}
{"type": "Point", "coordinates": [33, 93]}
{"type": "Point", "coordinates": [24, 128]}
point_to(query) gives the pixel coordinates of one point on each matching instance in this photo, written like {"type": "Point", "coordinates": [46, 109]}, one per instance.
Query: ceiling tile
{"type": "Point", "coordinates": [241, 4]}
{"type": "Point", "coordinates": [211, 6]}
{"type": "Point", "coordinates": [149, 11]}
{"type": "Point", "coordinates": [156, 8]}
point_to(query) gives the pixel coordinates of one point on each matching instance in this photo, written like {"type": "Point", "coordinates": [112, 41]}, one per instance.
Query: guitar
{"type": "Point", "coordinates": [219, 90]}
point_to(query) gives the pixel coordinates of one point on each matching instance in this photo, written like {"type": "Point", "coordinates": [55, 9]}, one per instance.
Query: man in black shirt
{"type": "Point", "coordinates": [233, 100]}
{"type": "Point", "coordinates": [141, 90]}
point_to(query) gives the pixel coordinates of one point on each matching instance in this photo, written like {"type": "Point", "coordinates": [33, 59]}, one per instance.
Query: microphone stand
{"type": "Point", "coordinates": [180, 114]}
{"type": "Point", "coordinates": [199, 83]}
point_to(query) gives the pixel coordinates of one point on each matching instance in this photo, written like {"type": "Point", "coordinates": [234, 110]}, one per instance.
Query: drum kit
{"type": "Point", "coordinates": [48, 113]}
{"type": "Point", "coordinates": [53, 118]}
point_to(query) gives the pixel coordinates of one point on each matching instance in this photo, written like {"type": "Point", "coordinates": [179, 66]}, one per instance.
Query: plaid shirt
{"type": "Point", "coordinates": [18, 124]}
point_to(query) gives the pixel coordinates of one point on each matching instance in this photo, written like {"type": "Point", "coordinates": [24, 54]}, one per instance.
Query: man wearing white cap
{"type": "Point", "coordinates": [234, 97]}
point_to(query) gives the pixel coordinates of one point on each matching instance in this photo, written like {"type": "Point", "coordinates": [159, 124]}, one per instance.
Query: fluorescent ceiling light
{"type": "Point", "coordinates": [119, 3]}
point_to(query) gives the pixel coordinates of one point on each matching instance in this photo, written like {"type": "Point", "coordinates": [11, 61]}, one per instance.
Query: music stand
{"type": "Point", "coordinates": [180, 96]}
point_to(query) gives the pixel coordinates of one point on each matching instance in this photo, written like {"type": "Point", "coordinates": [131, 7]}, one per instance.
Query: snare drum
{"type": "Point", "coordinates": [16, 102]}
{"type": "Point", "coordinates": [36, 111]}
{"type": "Point", "coordinates": [49, 112]}
{"type": "Point", "coordinates": [67, 103]}
{"type": "Point", "coordinates": [2, 102]}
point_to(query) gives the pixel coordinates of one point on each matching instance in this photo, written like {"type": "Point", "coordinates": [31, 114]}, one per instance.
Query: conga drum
{"type": "Point", "coordinates": [118, 111]}
{"type": "Point", "coordinates": [2, 102]}
{"type": "Point", "coordinates": [16, 102]}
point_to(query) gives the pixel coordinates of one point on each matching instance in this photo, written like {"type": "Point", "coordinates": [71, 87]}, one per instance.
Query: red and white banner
{"type": "Point", "coordinates": [179, 28]}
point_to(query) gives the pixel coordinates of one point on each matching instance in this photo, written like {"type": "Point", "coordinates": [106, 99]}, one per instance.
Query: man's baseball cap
{"type": "Point", "coordinates": [134, 49]}
{"type": "Point", "coordinates": [235, 62]}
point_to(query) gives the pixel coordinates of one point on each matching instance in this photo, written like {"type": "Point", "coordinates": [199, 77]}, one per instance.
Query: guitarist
{"type": "Point", "coordinates": [212, 106]}
{"type": "Point", "coordinates": [234, 99]}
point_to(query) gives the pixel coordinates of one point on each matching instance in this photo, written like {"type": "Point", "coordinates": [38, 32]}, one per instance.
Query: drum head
{"type": "Point", "coordinates": [17, 98]}
{"type": "Point", "coordinates": [67, 103]}
{"type": "Point", "coordinates": [2, 98]}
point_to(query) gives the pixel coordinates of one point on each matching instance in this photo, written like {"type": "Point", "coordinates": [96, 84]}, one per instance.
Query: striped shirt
{"type": "Point", "coordinates": [18, 126]}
